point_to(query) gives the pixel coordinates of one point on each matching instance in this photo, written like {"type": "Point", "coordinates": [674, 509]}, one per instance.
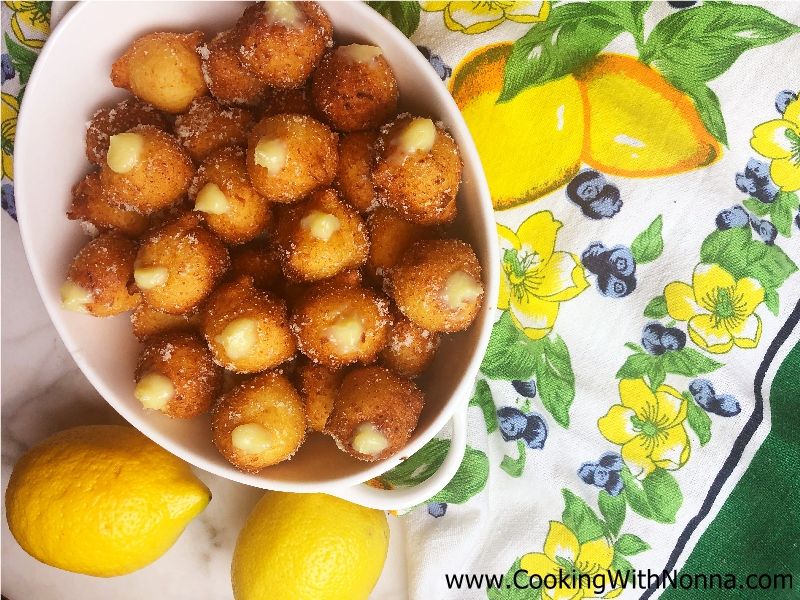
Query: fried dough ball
{"type": "Point", "coordinates": [320, 237]}
{"type": "Point", "coordinates": [147, 322]}
{"type": "Point", "coordinates": [355, 88]}
{"type": "Point", "coordinates": [347, 278]}
{"type": "Point", "coordinates": [93, 207]}
{"type": "Point", "coordinates": [289, 156]}
{"type": "Point", "coordinates": [353, 180]}
{"type": "Point", "coordinates": [418, 170]}
{"type": "Point", "coordinates": [256, 260]}
{"type": "Point", "coordinates": [410, 349]}
{"type": "Point", "coordinates": [318, 386]}
{"type": "Point", "coordinates": [97, 280]}
{"type": "Point", "coordinates": [146, 170]}
{"type": "Point", "coordinates": [247, 328]}
{"type": "Point", "coordinates": [117, 119]}
{"type": "Point", "coordinates": [227, 79]}
{"type": "Point", "coordinates": [222, 192]}
{"type": "Point", "coordinates": [337, 326]}
{"type": "Point", "coordinates": [208, 126]}
{"type": "Point", "coordinates": [175, 375]}
{"type": "Point", "coordinates": [259, 423]}
{"type": "Point", "coordinates": [375, 413]}
{"type": "Point", "coordinates": [437, 285]}
{"type": "Point", "coordinates": [282, 42]}
{"type": "Point", "coordinates": [390, 237]}
{"type": "Point", "coordinates": [297, 101]}
{"type": "Point", "coordinates": [162, 69]}
{"type": "Point", "coordinates": [178, 264]}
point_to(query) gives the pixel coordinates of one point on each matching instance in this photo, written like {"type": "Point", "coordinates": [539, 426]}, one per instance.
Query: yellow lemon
{"type": "Point", "coordinates": [309, 546]}
{"type": "Point", "coordinates": [101, 500]}
{"type": "Point", "coordinates": [530, 145]}
{"type": "Point", "coordinates": [638, 124]}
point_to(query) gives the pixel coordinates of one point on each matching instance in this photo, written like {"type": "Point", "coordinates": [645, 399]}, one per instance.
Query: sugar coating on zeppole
{"type": "Point", "coordinates": [115, 119]}
{"type": "Point", "coordinates": [375, 413]}
{"type": "Point", "coordinates": [147, 322]}
{"type": "Point", "coordinates": [296, 101]}
{"type": "Point", "coordinates": [390, 237]}
{"type": "Point", "coordinates": [97, 280]}
{"type": "Point", "coordinates": [411, 348]}
{"type": "Point", "coordinates": [98, 211]}
{"type": "Point", "coordinates": [208, 126]}
{"type": "Point", "coordinates": [225, 75]}
{"type": "Point", "coordinates": [290, 155]}
{"type": "Point", "coordinates": [162, 69]}
{"type": "Point", "coordinates": [437, 285]}
{"type": "Point", "coordinates": [320, 237]}
{"type": "Point", "coordinates": [178, 264]}
{"type": "Point", "coordinates": [257, 260]}
{"type": "Point", "coordinates": [337, 326]}
{"type": "Point", "coordinates": [176, 376]}
{"type": "Point", "coordinates": [318, 386]}
{"type": "Point", "coordinates": [259, 423]}
{"type": "Point", "coordinates": [221, 191]}
{"type": "Point", "coordinates": [353, 179]}
{"type": "Point", "coordinates": [246, 327]}
{"type": "Point", "coordinates": [354, 88]}
{"type": "Point", "coordinates": [282, 42]}
{"type": "Point", "coordinates": [146, 170]}
{"type": "Point", "coordinates": [418, 170]}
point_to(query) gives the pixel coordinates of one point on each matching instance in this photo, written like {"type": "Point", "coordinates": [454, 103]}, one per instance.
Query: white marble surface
{"type": "Point", "coordinates": [43, 392]}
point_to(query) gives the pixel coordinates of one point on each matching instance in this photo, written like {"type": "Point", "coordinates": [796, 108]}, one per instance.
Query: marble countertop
{"type": "Point", "coordinates": [43, 391]}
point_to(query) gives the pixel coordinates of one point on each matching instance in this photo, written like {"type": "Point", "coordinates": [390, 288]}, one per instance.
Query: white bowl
{"type": "Point", "coordinates": [70, 81]}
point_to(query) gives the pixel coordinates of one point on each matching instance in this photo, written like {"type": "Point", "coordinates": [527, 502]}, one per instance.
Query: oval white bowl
{"type": "Point", "coordinates": [71, 80]}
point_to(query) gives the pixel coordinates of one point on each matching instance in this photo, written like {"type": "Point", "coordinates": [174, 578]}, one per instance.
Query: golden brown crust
{"type": "Point", "coordinates": [184, 359]}
{"type": "Point", "coordinates": [410, 349]}
{"type": "Point", "coordinates": [208, 126]}
{"type": "Point", "coordinates": [160, 178]}
{"type": "Point", "coordinates": [296, 101]}
{"type": "Point", "coordinates": [257, 260]}
{"type": "Point", "coordinates": [115, 119]}
{"type": "Point", "coordinates": [375, 395]}
{"type": "Point", "coordinates": [391, 236]}
{"type": "Point", "coordinates": [307, 258]}
{"type": "Point", "coordinates": [163, 69]}
{"type": "Point", "coordinates": [269, 400]}
{"type": "Point", "coordinates": [354, 95]}
{"type": "Point", "coordinates": [311, 157]}
{"type": "Point", "coordinates": [92, 205]}
{"type": "Point", "coordinates": [318, 386]}
{"type": "Point", "coordinates": [194, 257]}
{"type": "Point", "coordinates": [240, 299]}
{"type": "Point", "coordinates": [421, 186]}
{"type": "Point", "coordinates": [353, 179]}
{"type": "Point", "coordinates": [103, 267]}
{"type": "Point", "coordinates": [418, 284]}
{"type": "Point", "coordinates": [283, 56]}
{"type": "Point", "coordinates": [226, 77]}
{"type": "Point", "coordinates": [147, 322]}
{"type": "Point", "coordinates": [249, 213]}
{"type": "Point", "coordinates": [321, 307]}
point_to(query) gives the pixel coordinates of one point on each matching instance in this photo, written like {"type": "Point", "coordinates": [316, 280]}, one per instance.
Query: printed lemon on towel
{"type": "Point", "coordinates": [639, 125]}
{"type": "Point", "coordinates": [101, 500]}
{"type": "Point", "coordinates": [529, 145]}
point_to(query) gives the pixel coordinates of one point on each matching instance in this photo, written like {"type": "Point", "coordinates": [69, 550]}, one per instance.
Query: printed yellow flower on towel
{"type": "Point", "coordinates": [649, 427]}
{"type": "Point", "coordinates": [563, 552]}
{"type": "Point", "coordinates": [30, 22]}
{"type": "Point", "coordinates": [779, 140]}
{"type": "Point", "coordinates": [536, 278]}
{"type": "Point", "coordinates": [719, 309]}
{"type": "Point", "coordinates": [479, 17]}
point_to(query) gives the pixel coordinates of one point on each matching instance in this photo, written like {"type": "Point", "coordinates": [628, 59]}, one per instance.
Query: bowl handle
{"type": "Point", "coordinates": [401, 498]}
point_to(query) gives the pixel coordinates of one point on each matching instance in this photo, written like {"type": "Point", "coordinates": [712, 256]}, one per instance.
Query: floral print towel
{"type": "Point", "coordinates": [644, 161]}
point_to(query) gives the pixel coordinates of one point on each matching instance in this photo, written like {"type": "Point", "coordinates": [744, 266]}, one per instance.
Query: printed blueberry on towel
{"type": "Point", "coordinates": [605, 473]}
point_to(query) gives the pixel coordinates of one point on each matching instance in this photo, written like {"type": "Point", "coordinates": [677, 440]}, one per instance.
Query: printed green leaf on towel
{"type": "Point", "coordinates": [403, 15]}
{"type": "Point", "coordinates": [648, 245]}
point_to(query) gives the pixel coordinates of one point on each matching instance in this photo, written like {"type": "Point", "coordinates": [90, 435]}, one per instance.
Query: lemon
{"type": "Point", "coordinates": [101, 500]}
{"type": "Point", "coordinates": [309, 546]}
{"type": "Point", "coordinates": [639, 125]}
{"type": "Point", "coordinates": [528, 146]}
